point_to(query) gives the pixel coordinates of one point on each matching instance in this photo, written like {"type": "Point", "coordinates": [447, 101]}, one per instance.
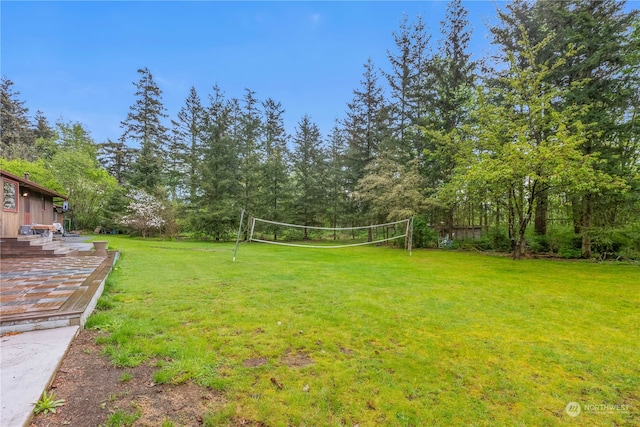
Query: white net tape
{"type": "Point", "coordinates": [284, 236]}
{"type": "Point", "coordinates": [299, 245]}
{"type": "Point", "coordinates": [386, 226]}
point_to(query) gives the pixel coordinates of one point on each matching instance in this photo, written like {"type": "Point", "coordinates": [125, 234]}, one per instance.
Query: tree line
{"type": "Point", "coordinates": [536, 145]}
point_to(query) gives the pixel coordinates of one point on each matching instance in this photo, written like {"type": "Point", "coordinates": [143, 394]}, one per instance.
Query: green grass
{"type": "Point", "coordinates": [371, 336]}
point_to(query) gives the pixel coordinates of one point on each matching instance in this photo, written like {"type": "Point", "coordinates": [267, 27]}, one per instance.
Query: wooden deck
{"type": "Point", "coordinates": [44, 293]}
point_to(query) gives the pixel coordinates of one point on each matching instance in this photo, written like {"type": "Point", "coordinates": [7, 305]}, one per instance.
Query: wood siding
{"type": "Point", "coordinates": [39, 212]}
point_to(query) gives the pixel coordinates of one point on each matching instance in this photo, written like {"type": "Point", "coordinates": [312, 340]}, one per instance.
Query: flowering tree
{"type": "Point", "coordinates": [144, 213]}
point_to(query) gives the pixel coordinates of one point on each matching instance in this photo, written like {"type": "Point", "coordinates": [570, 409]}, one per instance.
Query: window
{"type": "Point", "coordinates": [10, 195]}
{"type": "Point", "coordinates": [44, 203]}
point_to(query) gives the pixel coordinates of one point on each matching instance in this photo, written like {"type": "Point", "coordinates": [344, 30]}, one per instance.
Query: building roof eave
{"type": "Point", "coordinates": [33, 186]}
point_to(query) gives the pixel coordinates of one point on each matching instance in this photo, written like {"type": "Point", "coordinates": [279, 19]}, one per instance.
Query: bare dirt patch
{"type": "Point", "coordinates": [255, 362]}
{"type": "Point", "coordinates": [297, 360]}
{"type": "Point", "coordinates": [94, 389]}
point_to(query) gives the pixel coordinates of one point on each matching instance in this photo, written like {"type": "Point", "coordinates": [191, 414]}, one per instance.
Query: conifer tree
{"type": "Point", "coordinates": [400, 79]}
{"type": "Point", "coordinates": [367, 130]}
{"type": "Point", "coordinates": [116, 157]}
{"type": "Point", "coordinates": [45, 136]}
{"type": "Point", "coordinates": [603, 81]}
{"type": "Point", "coordinates": [410, 84]}
{"type": "Point", "coordinates": [216, 207]}
{"type": "Point", "coordinates": [449, 107]}
{"type": "Point", "coordinates": [41, 128]}
{"type": "Point", "coordinates": [337, 194]}
{"type": "Point", "coordinates": [367, 124]}
{"type": "Point", "coordinates": [309, 171]}
{"type": "Point", "coordinates": [186, 144]}
{"type": "Point", "coordinates": [247, 138]}
{"type": "Point", "coordinates": [275, 167]}
{"type": "Point", "coordinates": [17, 139]}
{"type": "Point", "coordinates": [143, 129]}
{"type": "Point", "coordinates": [421, 88]}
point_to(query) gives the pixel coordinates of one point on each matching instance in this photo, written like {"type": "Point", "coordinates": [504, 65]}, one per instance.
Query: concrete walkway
{"type": "Point", "coordinates": [28, 365]}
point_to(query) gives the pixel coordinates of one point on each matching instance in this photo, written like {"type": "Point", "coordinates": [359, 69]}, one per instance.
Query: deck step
{"type": "Point", "coordinates": [29, 246]}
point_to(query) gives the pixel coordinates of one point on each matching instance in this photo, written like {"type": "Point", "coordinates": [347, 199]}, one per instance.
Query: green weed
{"type": "Point", "coordinates": [47, 403]}
{"type": "Point", "coordinates": [120, 418]}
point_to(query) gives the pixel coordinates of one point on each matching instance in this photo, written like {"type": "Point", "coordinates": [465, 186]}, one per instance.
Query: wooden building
{"type": "Point", "coordinates": [26, 203]}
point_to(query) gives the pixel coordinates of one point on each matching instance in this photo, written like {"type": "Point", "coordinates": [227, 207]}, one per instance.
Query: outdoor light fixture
{"type": "Point", "coordinates": [25, 194]}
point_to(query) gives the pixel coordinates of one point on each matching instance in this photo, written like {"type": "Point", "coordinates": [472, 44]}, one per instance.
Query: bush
{"type": "Point", "coordinates": [484, 243]}
{"type": "Point", "coordinates": [539, 244]}
{"type": "Point", "coordinates": [423, 235]}
{"type": "Point", "coordinates": [500, 241]}
{"type": "Point", "coordinates": [611, 243]}
{"type": "Point", "coordinates": [569, 253]}
{"type": "Point", "coordinates": [564, 242]}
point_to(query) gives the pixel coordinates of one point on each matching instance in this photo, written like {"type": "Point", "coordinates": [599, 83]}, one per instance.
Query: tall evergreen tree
{"type": "Point", "coordinates": [144, 128]}
{"type": "Point", "coordinates": [188, 134]}
{"type": "Point", "coordinates": [454, 75]}
{"type": "Point", "coordinates": [309, 171]}
{"type": "Point", "coordinates": [411, 88]}
{"type": "Point", "coordinates": [449, 107]}
{"type": "Point", "coordinates": [337, 194]}
{"type": "Point", "coordinates": [116, 157]}
{"type": "Point", "coordinates": [400, 79]}
{"type": "Point", "coordinates": [41, 127]}
{"type": "Point", "coordinates": [45, 136]}
{"type": "Point", "coordinates": [602, 79]}
{"type": "Point", "coordinates": [216, 204]}
{"type": "Point", "coordinates": [421, 87]}
{"type": "Point", "coordinates": [275, 167]}
{"type": "Point", "coordinates": [247, 138]}
{"type": "Point", "coordinates": [16, 137]}
{"type": "Point", "coordinates": [366, 126]}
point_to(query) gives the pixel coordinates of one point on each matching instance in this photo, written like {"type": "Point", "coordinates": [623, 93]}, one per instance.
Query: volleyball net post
{"type": "Point", "coordinates": [235, 251]}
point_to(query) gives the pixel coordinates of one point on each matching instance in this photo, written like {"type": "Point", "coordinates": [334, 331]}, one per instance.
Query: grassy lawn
{"type": "Point", "coordinates": [371, 336]}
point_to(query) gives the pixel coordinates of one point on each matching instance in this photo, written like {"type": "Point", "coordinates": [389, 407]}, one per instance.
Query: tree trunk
{"type": "Point", "coordinates": [511, 221]}
{"type": "Point", "coordinates": [520, 247]}
{"type": "Point", "coordinates": [576, 209]}
{"type": "Point", "coordinates": [449, 222]}
{"type": "Point", "coordinates": [585, 225]}
{"type": "Point", "coordinates": [542, 203]}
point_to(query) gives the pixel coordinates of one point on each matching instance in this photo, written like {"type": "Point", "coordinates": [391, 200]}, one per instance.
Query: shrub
{"type": "Point", "coordinates": [500, 241]}
{"type": "Point", "coordinates": [615, 243]}
{"type": "Point", "coordinates": [423, 235]}
{"type": "Point", "coordinates": [539, 243]}
{"type": "Point", "coordinates": [570, 253]}
{"type": "Point", "coordinates": [564, 242]}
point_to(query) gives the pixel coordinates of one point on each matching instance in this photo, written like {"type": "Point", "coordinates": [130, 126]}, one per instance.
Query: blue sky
{"type": "Point", "coordinates": [77, 60]}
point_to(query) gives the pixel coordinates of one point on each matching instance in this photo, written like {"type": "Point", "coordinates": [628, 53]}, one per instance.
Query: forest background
{"type": "Point", "coordinates": [537, 146]}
